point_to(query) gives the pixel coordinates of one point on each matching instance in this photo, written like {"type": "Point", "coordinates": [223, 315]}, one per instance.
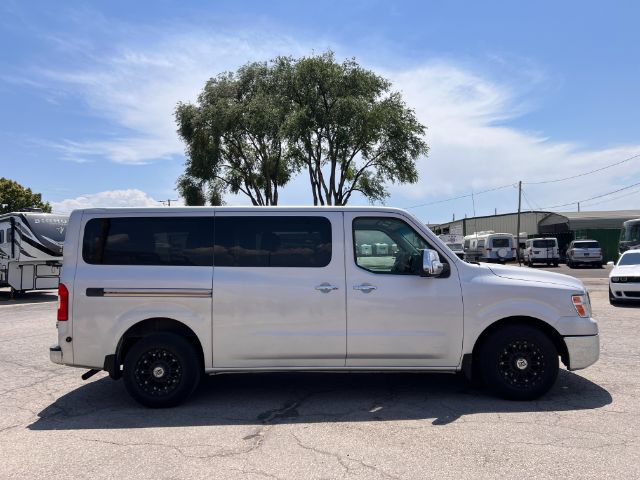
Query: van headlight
{"type": "Point", "coordinates": [582, 304]}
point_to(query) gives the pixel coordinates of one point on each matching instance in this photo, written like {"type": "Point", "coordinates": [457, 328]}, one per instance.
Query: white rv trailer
{"type": "Point", "coordinates": [31, 250]}
{"type": "Point", "coordinates": [489, 246]}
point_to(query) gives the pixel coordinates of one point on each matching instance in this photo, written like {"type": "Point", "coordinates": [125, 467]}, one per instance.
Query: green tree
{"type": "Point", "coordinates": [349, 131]}
{"type": "Point", "coordinates": [252, 130]}
{"type": "Point", "coordinates": [14, 196]}
{"type": "Point", "coordinates": [233, 138]}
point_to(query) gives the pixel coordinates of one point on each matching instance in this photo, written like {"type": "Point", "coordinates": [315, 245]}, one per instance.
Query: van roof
{"type": "Point", "coordinates": [309, 208]}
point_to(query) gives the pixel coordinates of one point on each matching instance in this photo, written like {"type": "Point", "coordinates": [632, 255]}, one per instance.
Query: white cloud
{"type": "Point", "coordinates": [467, 113]}
{"type": "Point", "coordinates": [110, 198]}
{"type": "Point", "coordinates": [138, 88]}
{"type": "Point", "coordinates": [470, 149]}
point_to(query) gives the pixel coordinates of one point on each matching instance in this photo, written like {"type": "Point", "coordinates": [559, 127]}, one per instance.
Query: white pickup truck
{"type": "Point", "coordinates": [162, 296]}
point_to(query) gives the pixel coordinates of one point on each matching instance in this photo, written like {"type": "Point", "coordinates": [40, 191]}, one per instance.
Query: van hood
{"type": "Point", "coordinates": [539, 276]}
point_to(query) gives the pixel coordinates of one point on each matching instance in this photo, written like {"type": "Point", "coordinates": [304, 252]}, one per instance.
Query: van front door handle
{"type": "Point", "coordinates": [365, 287]}
{"type": "Point", "coordinates": [326, 287]}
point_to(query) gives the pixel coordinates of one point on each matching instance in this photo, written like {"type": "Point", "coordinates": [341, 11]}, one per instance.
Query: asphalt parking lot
{"type": "Point", "coordinates": [313, 426]}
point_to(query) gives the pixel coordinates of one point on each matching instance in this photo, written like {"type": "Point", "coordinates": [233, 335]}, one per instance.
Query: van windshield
{"type": "Point", "coordinates": [544, 243]}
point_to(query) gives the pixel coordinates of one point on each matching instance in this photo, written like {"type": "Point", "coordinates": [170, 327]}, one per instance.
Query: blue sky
{"type": "Point", "coordinates": [509, 91]}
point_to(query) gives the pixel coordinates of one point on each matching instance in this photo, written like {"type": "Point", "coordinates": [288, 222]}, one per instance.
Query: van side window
{"type": "Point", "coordinates": [272, 241]}
{"type": "Point", "coordinates": [387, 245]}
{"type": "Point", "coordinates": [1, 236]}
{"type": "Point", "coordinates": [177, 241]}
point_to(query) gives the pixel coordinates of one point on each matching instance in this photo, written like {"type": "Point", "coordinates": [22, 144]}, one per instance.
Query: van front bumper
{"type": "Point", "coordinates": [583, 351]}
{"type": "Point", "coordinates": [55, 354]}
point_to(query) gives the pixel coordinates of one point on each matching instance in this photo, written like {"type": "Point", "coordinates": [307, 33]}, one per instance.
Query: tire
{"type": "Point", "coordinates": [599, 265]}
{"type": "Point", "coordinates": [177, 362]}
{"type": "Point", "coordinates": [569, 264]}
{"type": "Point", "coordinates": [519, 362]}
{"type": "Point", "coordinates": [555, 264]}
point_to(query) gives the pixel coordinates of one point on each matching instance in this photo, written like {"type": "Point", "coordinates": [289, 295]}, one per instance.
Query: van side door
{"type": "Point", "coordinates": [278, 289]}
{"type": "Point", "coordinates": [395, 317]}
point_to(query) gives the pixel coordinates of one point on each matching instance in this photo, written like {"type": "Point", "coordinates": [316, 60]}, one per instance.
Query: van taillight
{"type": "Point", "coordinates": [63, 303]}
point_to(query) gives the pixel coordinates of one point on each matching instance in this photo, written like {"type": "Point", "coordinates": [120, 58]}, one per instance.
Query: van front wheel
{"type": "Point", "coordinates": [519, 362]}
{"type": "Point", "coordinates": [161, 370]}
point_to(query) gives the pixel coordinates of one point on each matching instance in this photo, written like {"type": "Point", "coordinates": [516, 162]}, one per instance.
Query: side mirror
{"type": "Point", "coordinates": [610, 264]}
{"type": "Point", "coordinates": [431, 264]}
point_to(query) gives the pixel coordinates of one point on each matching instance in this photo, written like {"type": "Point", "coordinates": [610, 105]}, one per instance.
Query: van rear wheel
{"type": "Point", "coordinates": [519, 362]}
{"type": "Point", "coordinates": [161, 370]}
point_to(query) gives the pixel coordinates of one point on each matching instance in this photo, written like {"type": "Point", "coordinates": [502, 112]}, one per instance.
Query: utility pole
{"type": "Point", "coordinates": [518, 228]}
{"type": "Point", "coordinates": [167, 202]}
{"type": "Point", "coordinates": [473, 201]}
{"type": "Point", "coordinates": [578, 206]}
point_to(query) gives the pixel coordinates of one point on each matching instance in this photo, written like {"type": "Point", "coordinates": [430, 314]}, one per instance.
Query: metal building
{"type": "Point", "coordinates": [603, 226]}
{"type": "Point", "coordinates": [503, 223]}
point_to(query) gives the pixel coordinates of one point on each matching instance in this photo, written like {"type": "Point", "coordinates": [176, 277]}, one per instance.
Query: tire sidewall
{"type": "Point", "coordinates": [489, 361]}
{"type": "Point", "coordinates": [187, 357]}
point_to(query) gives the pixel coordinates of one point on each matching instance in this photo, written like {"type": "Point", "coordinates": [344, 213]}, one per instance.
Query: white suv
{"type": "Point", "coordinates": [163, 296]}
{"type": "Point", "coordinates": [584, 252]}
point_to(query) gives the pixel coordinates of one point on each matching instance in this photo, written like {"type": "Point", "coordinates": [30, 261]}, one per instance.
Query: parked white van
{"type": "Point", "coordinates": [542, 250]}
{"type": "Point", "coordinates": [489, 246]}
{"type": "Point", "coordinates": [161, 296]}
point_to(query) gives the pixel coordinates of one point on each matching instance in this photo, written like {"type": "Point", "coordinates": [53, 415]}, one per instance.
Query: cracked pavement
{"type": "Point", "coordinates": [316, 426]}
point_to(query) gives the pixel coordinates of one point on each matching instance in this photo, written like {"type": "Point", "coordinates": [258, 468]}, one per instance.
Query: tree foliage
{"type": "Point", "coordinates": [234, 138]}
{"type": "Point", "coordinates": [350, 131]}
{"type": "Point", "coordinates": [14, 197]}
{"type": "Point", "coordinates": [253, 130]}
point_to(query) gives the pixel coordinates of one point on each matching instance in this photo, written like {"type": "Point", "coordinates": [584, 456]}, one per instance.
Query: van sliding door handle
{"type": "Point", "coordinates": [326, 287]}
{"type": "Point", "coordinates": [365, 287]}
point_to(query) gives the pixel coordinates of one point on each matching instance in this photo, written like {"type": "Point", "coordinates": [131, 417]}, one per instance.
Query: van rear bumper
{"type": "Point", "coordinates": [583, 351]}
{"type": "Point", "coordinates": [55, 354]}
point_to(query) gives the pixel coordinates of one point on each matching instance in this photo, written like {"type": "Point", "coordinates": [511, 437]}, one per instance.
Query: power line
{"type": "Point", "coordinates": [616, 198]}
{"type": "Point", "coordinates": [592, 198]}
{"type": "Point", "coordinates": [472, 194]}
{"type": "Point", "coordinates": [585, 173]}
{"type": "Point", "coordinates": [461, 196]}
{"type": "Point", "coordinates": [530, 203]}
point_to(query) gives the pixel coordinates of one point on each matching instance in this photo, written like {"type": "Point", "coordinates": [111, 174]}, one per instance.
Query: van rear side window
{"type": "Point", "coordinates": [272, 241]}
{"type": "Point", "coordinates": [178, 241]}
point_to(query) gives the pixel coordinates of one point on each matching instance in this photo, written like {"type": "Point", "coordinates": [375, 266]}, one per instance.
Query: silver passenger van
{"type": "Point", "coordinates": [160, 297]}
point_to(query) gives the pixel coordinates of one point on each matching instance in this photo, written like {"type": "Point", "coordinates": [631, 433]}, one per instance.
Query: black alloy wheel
{"type": "Point", "coordinates": [161, 370]}
{"type": "Point", "coordinates": [158, 372]}
{"type": "Point", "coordinates": [519, 362]}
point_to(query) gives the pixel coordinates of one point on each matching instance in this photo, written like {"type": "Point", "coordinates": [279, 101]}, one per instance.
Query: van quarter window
{"type": "Point", "coordinates": [387, 245]}
{"type": "Point", "coordinates": [177, 241]}
{"type": "Point", "coordinates": [272, 241]}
